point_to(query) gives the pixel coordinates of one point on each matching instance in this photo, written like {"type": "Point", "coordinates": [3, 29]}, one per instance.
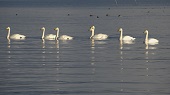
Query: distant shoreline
{"type": "Point", "coordinates": [85, 3]}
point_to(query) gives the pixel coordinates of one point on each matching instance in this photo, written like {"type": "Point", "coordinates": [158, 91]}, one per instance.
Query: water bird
{"type": "Point", "coordinates": [14, 36]}
{"type": "Point", "coordinates": [150, 41]}
{"type": "Point", "coordinates": [63, 37]}
{"type": "Point", "coordinates": [125, 38]}
{"type": "Point", "coordinates": [48, 36]}
{"type": "Point", "coordinates": [90, 15]}
{"type": "Point", "coordinates": [97, 36]}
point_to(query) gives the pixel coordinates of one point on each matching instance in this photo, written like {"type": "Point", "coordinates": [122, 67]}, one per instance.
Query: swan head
{"type": "Point", "coordinates": [92, 28]}
{"type": "Point", "coordinates": [56, 29]}
{"type": "Point", "coordinates": [120, 30]}
{"type": "Point", "coordinates": [146, 32]}
{"type": "Point", "coordinates": [8, 28]}
{"type": "Point", "coordinates": [43, 28]}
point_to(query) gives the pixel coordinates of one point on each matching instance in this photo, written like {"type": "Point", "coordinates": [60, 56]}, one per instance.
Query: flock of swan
{"type": "Point", "coordinates": [123, 39]}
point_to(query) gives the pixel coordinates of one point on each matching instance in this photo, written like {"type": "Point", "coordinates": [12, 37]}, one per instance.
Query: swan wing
{"type": "Point", "coordinates": [17, 36]}
{"type": "Point", "coordinates": [128, 42]}
{"type": "Point", "coordinates": [100, 36]}
{"type": "Point", "coordinates": [153, 41]}
{"type": "Point", "coordinates": [128, 38]}
{"type": "Point", "coordinates": [50, 36]}
{"type": "Point", "coordinates": [65, 37]}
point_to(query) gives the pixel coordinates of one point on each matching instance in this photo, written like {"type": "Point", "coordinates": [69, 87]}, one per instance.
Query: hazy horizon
{"type": "Point", "coordinates": [79, 3]}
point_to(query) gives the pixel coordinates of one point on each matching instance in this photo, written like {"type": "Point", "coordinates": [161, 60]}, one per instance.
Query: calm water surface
{"type": "Point", "coordinates": [83, 66]}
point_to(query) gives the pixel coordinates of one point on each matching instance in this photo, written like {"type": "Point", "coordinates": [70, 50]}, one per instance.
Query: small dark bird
{"type": "Point", "coordinates": [91, 15]}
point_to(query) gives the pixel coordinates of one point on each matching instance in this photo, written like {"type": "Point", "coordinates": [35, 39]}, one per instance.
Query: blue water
{"type": "Point", "coordinates": [82, 66]}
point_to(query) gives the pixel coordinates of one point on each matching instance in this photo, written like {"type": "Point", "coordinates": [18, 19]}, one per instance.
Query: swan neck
{"type": "Point", "coordinates": [121, 44]}
{"type": "Point", "coordinates": [43, 33]}
{"type": "Point", "coordinates": [121, 35]}
{"type": "Point", "coordinates": [92, 33]}
{"type": "Point", "coordinates": [146, 38]}
{"type": "Point", "coordinates": [8, 35]}
{"type": "Point", "coordinates": [57, 34]}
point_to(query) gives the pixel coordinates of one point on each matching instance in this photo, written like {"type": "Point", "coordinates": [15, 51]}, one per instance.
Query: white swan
{"type": "Point", "coordinates": [97, 36]}
{"type": "Point", "coordinates": [49, 36]}
{"type": "Point", "coordinates": [63, 37]}
{"type": "Point", "coordinates": [150, 41]}
{"type": "Point", "coordinates": [125, 38]}
{"type": "Point", "coordinates": [15, 36]}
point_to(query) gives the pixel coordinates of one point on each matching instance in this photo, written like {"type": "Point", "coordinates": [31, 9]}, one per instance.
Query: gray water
{"type": "Point", "coordinates": [82, 66]}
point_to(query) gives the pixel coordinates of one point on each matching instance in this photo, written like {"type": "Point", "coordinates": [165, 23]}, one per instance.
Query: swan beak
{"type": "Point", "coordinates": [7, 28]}
{"type": "Point", "coordinates": [89, 30]}
{"type": "Point", "coordinates": [118, 30]}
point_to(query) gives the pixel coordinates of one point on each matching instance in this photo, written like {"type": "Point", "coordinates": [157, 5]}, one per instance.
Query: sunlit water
{"type": "Point", "coordinates": [83, 66]}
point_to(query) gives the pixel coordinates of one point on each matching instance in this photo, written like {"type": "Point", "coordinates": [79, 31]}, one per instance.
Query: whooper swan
{"type": "Point", "coordinates": [97, 36]}
{"type": "Point", "coordinates": [14, 36]}
{"type": "Point", "coordinates": [63, 37]}
{"type": "Point", "coordinates": [48, 36]}
{"type": "Point", "coordinates": [125, 38]}
{"type": "Point", "coordinates": [150, 41]}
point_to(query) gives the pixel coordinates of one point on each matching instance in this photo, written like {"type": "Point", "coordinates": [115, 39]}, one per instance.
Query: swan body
{"type": "Point", "coordinates": [63, 37]}
{"type": "Point", "coordinates": [97, 36]}
{"type": "Point", "coordinates": [150, 41]}
{"type": "Point", "coordinates": [125, 38]}
{"type": "Point", "coordinates": [15, 36]}
{"type": "Point", "coordinates": [48, 36]}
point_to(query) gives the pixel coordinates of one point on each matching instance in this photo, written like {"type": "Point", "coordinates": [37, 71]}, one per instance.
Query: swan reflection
{"type": "Point", "coordinates": [9, 42]}
{"type": "Point", "coordinates": [43, 43]}
{"type": "Point", "coordinates": [150, 47]}
{"type": "Point", "coordinates": [58, 50]}
{"type": "Point", "coordinates": [9, 50]}
{"type": "Point", "coordinates": [92, 59]}
{"type": "Point", "coordinates": [148, 52]}
{"type": "Point", "coordinates": [50, 44]}
{"type": "Point", "coordinates": [9, 55]}
{"type": "Point", "coordinates": [124, 45]}
{"type": "Point", "coordinates": [92, 52]}
{"type": "Point", "coordinates": [127, 43]}
{"type": "Point", "coordinates": [57, 44]}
